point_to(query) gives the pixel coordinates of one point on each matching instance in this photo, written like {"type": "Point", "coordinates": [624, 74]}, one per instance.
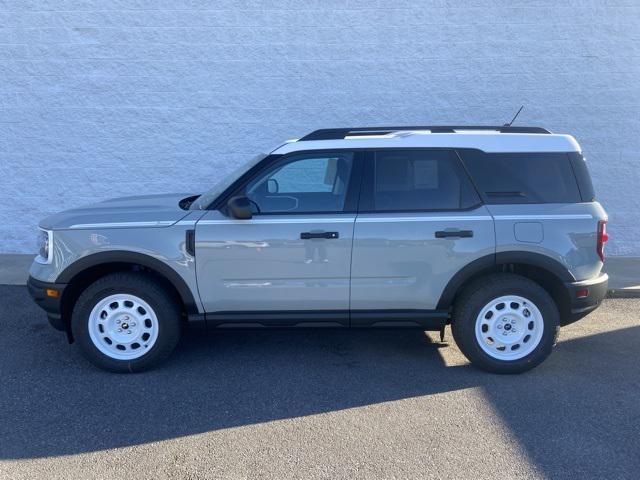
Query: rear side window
{"type": "Point", "coordinates": [416, 180]}
{"type": "Point", "coordinates": [522, 177]}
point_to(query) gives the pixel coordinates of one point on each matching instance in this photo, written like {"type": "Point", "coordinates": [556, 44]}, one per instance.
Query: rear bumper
{"type": "Point", "coordinates": [51, 305]}
{"type": "Point", "coordinates": [585, 296]}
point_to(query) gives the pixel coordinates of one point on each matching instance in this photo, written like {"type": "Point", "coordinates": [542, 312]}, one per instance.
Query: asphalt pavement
{"type": "Point", "coordinates": [319, 404]}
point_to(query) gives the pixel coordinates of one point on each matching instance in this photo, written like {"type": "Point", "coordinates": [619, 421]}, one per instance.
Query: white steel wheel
{"type": "Point", "coordinates": [123, 326]}
{"type": "Point", "coordinates": [509, 327]}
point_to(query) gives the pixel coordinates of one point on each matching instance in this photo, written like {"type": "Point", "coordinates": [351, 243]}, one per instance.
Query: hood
{"type": "Point", "coordinates": [131, 212]}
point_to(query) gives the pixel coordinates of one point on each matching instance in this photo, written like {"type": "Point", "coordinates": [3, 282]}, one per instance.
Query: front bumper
{"type": "Point", "coordinates": [50, 304]}
{"type": "Point", "coordinates": [585, 296]}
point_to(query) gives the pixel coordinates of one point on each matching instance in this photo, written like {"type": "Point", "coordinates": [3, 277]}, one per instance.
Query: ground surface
{"type": "Point", "coordinates": [319, 404]}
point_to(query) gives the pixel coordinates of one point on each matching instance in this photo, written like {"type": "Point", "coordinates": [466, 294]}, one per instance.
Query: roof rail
{"type": "Point", "coordinates": [340, 133]}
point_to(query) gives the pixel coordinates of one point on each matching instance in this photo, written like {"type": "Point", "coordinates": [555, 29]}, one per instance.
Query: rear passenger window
{"type": "Point", "coordinates": [414, 180]}
{"type": "Point", "coordinates": [522, 177]}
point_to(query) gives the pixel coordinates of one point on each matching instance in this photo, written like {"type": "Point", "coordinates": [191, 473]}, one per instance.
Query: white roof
{"type": "Point", "coordinates": [487, 141]}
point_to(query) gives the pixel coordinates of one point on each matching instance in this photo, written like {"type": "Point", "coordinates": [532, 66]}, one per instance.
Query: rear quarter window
{"type": "Point", "coordinates": [522, 177]}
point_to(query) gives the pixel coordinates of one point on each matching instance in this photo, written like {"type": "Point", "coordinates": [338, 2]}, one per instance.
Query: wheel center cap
{"type": "Point", "coordinates": [507, 327]}
{"type": "Point", "coordinates": [125, 325]}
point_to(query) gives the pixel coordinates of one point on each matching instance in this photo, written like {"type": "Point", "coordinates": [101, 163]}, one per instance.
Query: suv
{"type": "Point", "coordinates": [492, 230]}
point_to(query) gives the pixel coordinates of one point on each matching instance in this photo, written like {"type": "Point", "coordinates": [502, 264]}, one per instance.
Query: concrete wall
{"type": "Point", "coordinates": [101, 99]}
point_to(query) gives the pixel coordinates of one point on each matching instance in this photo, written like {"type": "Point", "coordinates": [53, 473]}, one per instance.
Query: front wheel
{"type": "Point", "coordinates": [505, 323]}
{"type": "Point", "coordinates": [126, 322]}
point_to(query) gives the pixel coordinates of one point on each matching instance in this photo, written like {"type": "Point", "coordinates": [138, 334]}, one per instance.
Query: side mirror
{"type": "Point", "coordinates": [240, 207]}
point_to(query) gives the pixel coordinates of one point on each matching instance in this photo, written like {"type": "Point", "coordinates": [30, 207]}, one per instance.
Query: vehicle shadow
{"type": "Point", "coordinates": [53, 403]}
{"type": "Point", "coordinates": [578, 414]}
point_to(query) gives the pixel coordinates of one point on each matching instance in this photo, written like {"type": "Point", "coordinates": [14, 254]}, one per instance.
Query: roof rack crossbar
{"type": "Point", "coordinates": [341, 133]}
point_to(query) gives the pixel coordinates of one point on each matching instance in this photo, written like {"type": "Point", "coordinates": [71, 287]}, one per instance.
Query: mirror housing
{"type": "Point", "coordinates": [240, 207]}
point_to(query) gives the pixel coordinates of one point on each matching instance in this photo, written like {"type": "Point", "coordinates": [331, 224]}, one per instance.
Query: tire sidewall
{"type": "Point", "coordinates": [162, 304]}
{"type": "Point", "coordinates": [485, 294]}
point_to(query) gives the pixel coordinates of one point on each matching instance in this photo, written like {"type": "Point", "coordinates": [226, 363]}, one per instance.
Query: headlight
{"type": "Point", "coordinates": [45, 247]}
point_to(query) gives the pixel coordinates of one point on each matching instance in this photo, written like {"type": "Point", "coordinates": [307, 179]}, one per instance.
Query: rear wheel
{"type": "Point", "coordinates": [505, 323]}
{"type": "Point", "coordinates": [126, 322]}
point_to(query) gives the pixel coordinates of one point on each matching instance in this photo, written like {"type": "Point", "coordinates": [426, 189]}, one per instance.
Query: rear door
{"type": "Point", "coordinates": [420, 221]}
{"type": "Point", "coordinates": [291, 262]}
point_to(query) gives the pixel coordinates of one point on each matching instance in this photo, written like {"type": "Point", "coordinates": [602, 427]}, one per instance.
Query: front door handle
{"type": "Point", "coordinates": [310, 235]}
{"type": "Point", "coordinates": [454, 234]}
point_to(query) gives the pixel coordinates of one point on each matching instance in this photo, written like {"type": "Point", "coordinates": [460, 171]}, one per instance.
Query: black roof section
{"type": "Point", "coordinates": [340, 133]}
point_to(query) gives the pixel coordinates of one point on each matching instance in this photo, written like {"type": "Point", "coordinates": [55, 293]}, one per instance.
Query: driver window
{"type": "Point", "coordinates": [303, 184]}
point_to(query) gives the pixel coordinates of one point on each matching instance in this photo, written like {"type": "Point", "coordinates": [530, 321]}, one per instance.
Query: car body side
{"type": "Point", "coordinates": [554, 244]}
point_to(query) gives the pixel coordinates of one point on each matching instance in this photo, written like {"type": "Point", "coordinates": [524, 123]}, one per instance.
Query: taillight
{"type": "Point", "coordinates": [602, 238]}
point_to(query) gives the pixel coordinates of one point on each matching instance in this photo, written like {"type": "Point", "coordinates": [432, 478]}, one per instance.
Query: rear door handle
{"type": "Point", "coordinates": [454, 234]}
{"type": "Point", "coordinates": [310, 235]}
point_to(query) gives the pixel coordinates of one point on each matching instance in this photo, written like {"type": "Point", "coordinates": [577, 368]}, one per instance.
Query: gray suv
{"type": "Point", "coordinates": [492, 230]}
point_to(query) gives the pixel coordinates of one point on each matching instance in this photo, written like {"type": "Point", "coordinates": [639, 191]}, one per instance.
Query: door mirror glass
{"type": "Point", "coordinates": [240, 207]}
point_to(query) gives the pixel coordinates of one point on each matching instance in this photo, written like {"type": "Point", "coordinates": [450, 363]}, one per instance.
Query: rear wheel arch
{"type": "Point", "coordinates": [80, 274]}
{"type": "Point", "coordinates": [542, 269]}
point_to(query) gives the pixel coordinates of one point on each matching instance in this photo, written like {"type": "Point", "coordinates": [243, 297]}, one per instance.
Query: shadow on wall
{"type": "Point", "coordinates": [52, 403]}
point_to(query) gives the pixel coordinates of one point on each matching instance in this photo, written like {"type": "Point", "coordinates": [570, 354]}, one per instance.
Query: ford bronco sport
{"type": "Point", "coordinates": [492, 230]}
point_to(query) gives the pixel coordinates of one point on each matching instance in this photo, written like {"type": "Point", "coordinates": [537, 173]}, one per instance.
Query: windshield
{"type": "Point", "coordinates": [222, 184]}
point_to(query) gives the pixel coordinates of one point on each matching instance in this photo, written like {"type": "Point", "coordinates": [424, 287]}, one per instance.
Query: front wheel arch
{"type": "Point", "coordinates": [80, 274]}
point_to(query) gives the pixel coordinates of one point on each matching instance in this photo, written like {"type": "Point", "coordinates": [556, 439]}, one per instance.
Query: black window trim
{"type": "Point", "coordinates": [367, 179]}
{"type": "Point", "coordinates": [353, 189]}
{"type": "Point", "coordinates": [582, 176]}
{"type": "Point", "coordinates": [361, 161]}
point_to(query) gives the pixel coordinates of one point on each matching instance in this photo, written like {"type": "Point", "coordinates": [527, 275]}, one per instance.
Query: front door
{"type": "Point", "coordinates": [290, 263]}
{"type": "Point", "coordinates": [420, 222]}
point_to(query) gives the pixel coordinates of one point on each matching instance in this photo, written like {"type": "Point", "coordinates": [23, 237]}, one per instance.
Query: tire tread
{"type": "Point", "coordinates": [140, 284]}
{"type": "Point", "coordinates": [475, 296]}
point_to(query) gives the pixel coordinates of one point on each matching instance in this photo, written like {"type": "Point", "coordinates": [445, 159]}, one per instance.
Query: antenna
{"type": "Point", "coordinates": [514, 118]}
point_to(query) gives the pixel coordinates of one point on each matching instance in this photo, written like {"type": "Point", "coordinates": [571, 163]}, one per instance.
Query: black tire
{"type": "Point", "coordinates": [482, 291]}
{"type": "Point", "coordinates": [145, 287]}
